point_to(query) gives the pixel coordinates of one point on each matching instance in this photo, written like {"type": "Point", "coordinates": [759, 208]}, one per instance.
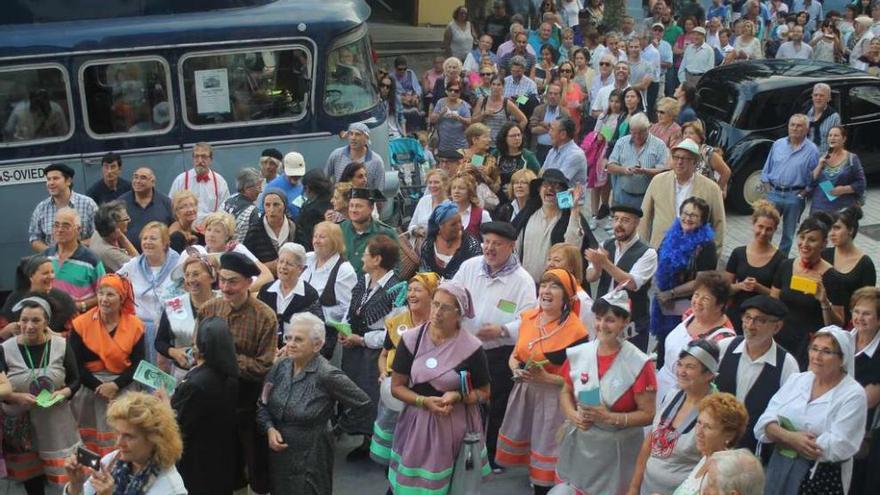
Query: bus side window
{"type": "Point", "coordinates": [34, 105]}
{"type": "Point", "coordinates": [126, 97]}
{"type": "Point", "coordinates": [351, 85]}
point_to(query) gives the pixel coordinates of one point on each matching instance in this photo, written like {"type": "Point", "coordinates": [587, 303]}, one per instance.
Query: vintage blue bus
{"type": "Point", "coordinates": [148, 79]}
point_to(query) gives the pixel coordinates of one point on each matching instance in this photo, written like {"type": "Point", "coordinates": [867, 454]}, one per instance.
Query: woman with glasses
{"type": "Point", "coordinates": [494, 110]}
{"type": "Point", "coordinates": [865, 307]}
{"type": "Point", "coordinates": [511, 156]}
{"type": "Point", "coordinates": [666, 128]}
{"type": "Point", "coordinates": [390, 100]}
{"type": "Point", "coordinates": [451, 116]}
{"type": "Point", "coordinates": [572, 96]}
{"type": "Point", "coordinates": [481, 80]}
{"type": "Point", "coordinates": [816, 421]}
{"type": "Point", "coordinates": [518, 192]}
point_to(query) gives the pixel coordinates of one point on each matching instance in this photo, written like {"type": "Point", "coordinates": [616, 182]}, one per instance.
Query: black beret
{"type": "Point", "coordinates": [553, 175]}
{"type": "Point", "coordinates": [503, 229]}
{"type": "Point", "coordinates": [60, 167]}
{"type": "Point", "coordinates": [627, 209]}
{"type": "Point", "coordinates": [239, 263]}
{"type": "Point", "coordinates": [449, 154]}
{"type": "Point", "coordinates": [272, 153]}
{"type": "Point", "coordinates": [767, 305]}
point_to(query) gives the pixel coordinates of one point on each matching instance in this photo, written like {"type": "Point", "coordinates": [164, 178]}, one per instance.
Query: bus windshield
{"type": "Point", "coordinates": [351, 86]}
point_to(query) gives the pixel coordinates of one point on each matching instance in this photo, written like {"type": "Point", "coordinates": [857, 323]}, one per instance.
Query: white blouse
{"type": "Point", "coordinates": [346, 278]}
{"type": "Point", "coordinates": [422, 213]}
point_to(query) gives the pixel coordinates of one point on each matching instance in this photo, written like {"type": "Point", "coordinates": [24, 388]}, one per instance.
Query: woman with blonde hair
{"type": "Point", "coordinates": [339, 201]}
{"type": "Point", "coordinates": [667, 129]}
{"type": "Point", "coordinates": [711, 163]}
{"type": "Point", "coordinates": [747, 46]}
{"type": "Point", "coordinates": [437, 183]}
{"type": "Point", "coordinates": [219, 234]}
{"type": "Point", "coordinates": [328, 271]}
{"type": "Point", "coordinates": [148, 447]}
{"type": "Point", "coordinates": [518, 192]}
{"type": "Point", "coordinates": [185, 208]}
{"type": "Point", "coordinates": [463, 192]}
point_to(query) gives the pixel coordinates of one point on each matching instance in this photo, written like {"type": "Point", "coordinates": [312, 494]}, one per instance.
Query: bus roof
{"type": "Point", "coordinates": [278, 19]}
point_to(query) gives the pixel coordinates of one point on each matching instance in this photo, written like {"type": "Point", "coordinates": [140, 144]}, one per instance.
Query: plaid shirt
{"type": "Point", "coordinates": [43, 217]}
{"type": "Point", "coordinates": [253, 326]}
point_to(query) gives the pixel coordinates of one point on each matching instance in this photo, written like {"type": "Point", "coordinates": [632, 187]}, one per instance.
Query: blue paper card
{"type": "Point", "coordinates": [826, 187]}
{"type": "Point", "coordinates": [565, 200]}
{"type": "Point", "coordinates": [589, 397]}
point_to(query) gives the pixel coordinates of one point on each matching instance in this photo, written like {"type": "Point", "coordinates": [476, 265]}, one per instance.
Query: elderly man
{"type": "Point", "coordinates": [109, 242]}
{"type": "Point", "coordinates": [634, 161]}
{"type": "Point", "coordinates": [628, 28]}
{"type": "Point", "coordinates": [621, 81]}
{"type": "Point", "coordinates": [360, 226]}
{"type": "Point", "coordinates": [787, 173]}
{"type": "Point", "coordinates": [544, 115]}
{"type": "Point", "coordinates": [565, 155]}
{"type": "Point", "coordinates": [668, 191]}
{"type": "Point", "coordinates": [604, 78]}
{"type": "Point", "coordinates": [209, 186]}
{"type": "Point", "coordinates": [145, 204]}
{"type": "Point", "coordinates": [449, 160]}
{"type": "Point", "coordinates": [510, 45]}
{"type": "Point", "coordinates": [254, 327]}
{"type": "Point", "coordinates": [734, 472]}
{"type": "Point", "coordinates": [79, 278]}
{"type": "Point", "coordinates": [626, 259]}
{"type": "Point", "coordinates": [289, 183]}
{"type": "Point", "coordinates": [357, 151]}
{"type": "Point", "coordinates": [270, 161]}
{"type": "Point", "coordinates": [545, 221]}
{"type": "Point", "coordinates": [517, 84]}
{"type": "Point", "coordinates": [752, 367]}
{"type": "Point", "coordinates": [111, 185]}
{"type": "Point", "coordinates": [59, 183]}
{"type": "Point", "coordinates": [543, 36]}
{"type": "Point", "coordinates": [795, 47]}
{"type": "Point", "coordinates": [527, 60]}
{"type": "Point", "coordinates": [242, 205]}
{"type": "Point", "coordinates": [698, 58]}
{"type": "Point", "coordinates": [822, 117]}
{"type": "Point", "coordinates": [860, 41]}
{"type": "Point", "coordinates": [502, 289]}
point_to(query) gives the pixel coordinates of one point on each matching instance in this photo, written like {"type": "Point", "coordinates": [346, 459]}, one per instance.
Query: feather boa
{"type": "Point", "coordinates": [676, 251]}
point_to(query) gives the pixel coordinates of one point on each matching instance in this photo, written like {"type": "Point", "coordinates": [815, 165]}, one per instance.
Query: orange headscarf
{"type": "Point", "coordinates": [123, 287]}
{"type": "Point", "coordinates": [569, 286]}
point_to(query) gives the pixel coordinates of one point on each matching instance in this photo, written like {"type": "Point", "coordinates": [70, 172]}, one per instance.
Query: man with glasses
{"type": "Point", "coordinates": [517, 84]}
{"type": "Point", "coordinates": [111, 185]}
{"type": "Point", "coordinates": [604, 79]}
{"type": "Point", "coordinates": [544, 115]}
{"type": "Point", "coordinates": [668, 190]}
{"type": "Point", "coordinates": [109, 242]}
{"type": "Point", "coordinates": [625, 260]}
{"type": "Point", "coordinates": [209, 186]}
{"type": "Point", "coordinates": [634, 161]}
{"type": "Point", "coordinates": [752, 365]}
{"type": "Point", "coordinates": [145, 204]}
{"type": "Point", "coordinates": [621, 81]}
{"type": "Point", "coordinates": [59, 183]}
{"type": "Point", "coordinates": [79, 278]}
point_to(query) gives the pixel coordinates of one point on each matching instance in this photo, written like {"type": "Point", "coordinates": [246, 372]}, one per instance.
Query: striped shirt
{"type": "Point", "coordinates": [78, 275]}
{"type": "Point", "coordinates": [523, 87]}
{"type": "Point", "coordinates": [40, 228]}
{"type": "Point", "coordinates": [653, 154]}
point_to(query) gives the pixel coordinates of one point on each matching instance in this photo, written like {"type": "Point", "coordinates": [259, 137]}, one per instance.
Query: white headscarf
{"type": "Point", "coordinates": [847, 345]}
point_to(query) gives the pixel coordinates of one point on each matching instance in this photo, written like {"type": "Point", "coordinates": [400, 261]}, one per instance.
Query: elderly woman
{"type": "Point", "coordinates": [34, 275]}
{"type": "Point", "coordinates": [371, 302]}
{"type": "Point", "coordinates": [710, 163]}
{"type": "Point", "coordinates": [438, 412]}
{"type": "Point", "coordinates": [270, 230]}
{"type": "Point", "coordinates": [447, 245]}
{"type": "Point", "coordinates": [604, 433]}
{"type": "Point", "coordinates": [437, 181]}
{"type": "Point", "coordinates": [865, 306]}
{"type": "Point", "coordinates": [328, 272]}
{"type": "Point", "coordinates": [148, 447]}
{"type": "Point", "coordinates": [219, 233]}
{"type": "Point", "coordinates": [339, 202]}
{"type": "Point", "coordinates": [669, 452]}
{"type": "Point", "coordinates": [416, 312]}
{"type": "Point", "coordinates": [856, 268]}
{"type": "Point", "coordinates": [205, 407]}
{"type": "Point", "coordinates": [451, 116]}
{"type": "Point", "coordinates": [711, 291]}
{"type": "Point", "coordinates": [185, 208]}
{"type": "Point", "coordinates": [667, 129]}
{"type": "Point", "coordinates": [177, 325]}
{"type": "Point", "coordinates": [842, 171]}
{"type": "Point", "coordinates": [817, 421]}
{"type": "Point", "coordinates": [687, 249]}
{"type": "Point", "coordinates": [249, 184]}
{"type": "Point", "coordinates": [300, 394]}
{"type": "Point", "coordinates": [477, 153]}
{"type": "Point", "coordinates": [569, 258]}
{"type": "Point", "coordinates": [463, 192]}
{"type": "Point", "coordinates": [42, 370]}
{"type": "Point", "coordinates": [528, 434]}
{"type": "Point", "coordinates": [150, 276]}
{"type": "Point", "coordinates": [518, 192]}
{"type": "Point", "coordinates": [720, 425]}
{"type": "Point", "coordinates": [108, 342]}
{"type": "Point", "coordinates": [290, 294]}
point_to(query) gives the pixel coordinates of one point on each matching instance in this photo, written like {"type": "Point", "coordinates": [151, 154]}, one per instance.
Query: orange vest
{"type": "Point", "coordinates": [530, 343]}
{"type": "Point", "coordinates": [113, 351]}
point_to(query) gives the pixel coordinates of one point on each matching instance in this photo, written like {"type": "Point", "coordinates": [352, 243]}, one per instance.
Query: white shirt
{"type": "Point", "coordinates": [600, 102]}
{"type": "Point", "coordinates": [422, 213]}
{"type": "Point", "coordinates": [682, 192]}
{"type": "Point", "coordinates": [346, 279]}
{"type": "Point", "coordinates": [534, 240]}
{"type": "Point", "coordinates": [871, 348]}
{"type": "Point", "coordinates": [789, 50]}
{"type": "Point", "coordinates": [490, 295]}
{"type": "Point", "coordinates": [651, 55]}
{"type": "Point", "coordinates": [283, 301]}
{"type": "Point", "coordinates": [747, 371]}
{"type": "Point", "coordinates": [676, 341]}
{"type": "Point", "coordinates": [837, 417]}
{"type": "Point", "coordinates": [212, 194]}
{"type": "Point", "coordinates": [167, 482]}
{"type": "Point", "coordinates": [466, 218]}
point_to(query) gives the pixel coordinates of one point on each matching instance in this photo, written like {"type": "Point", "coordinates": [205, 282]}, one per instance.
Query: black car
{"type": "Point", "coordinates": [746, 105]}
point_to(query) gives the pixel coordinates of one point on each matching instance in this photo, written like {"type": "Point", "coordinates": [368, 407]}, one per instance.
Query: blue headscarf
{"type": "Point", "coordinates": [443, 212]}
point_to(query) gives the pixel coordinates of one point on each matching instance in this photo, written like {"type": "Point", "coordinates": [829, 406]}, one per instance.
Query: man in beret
{"type": "Point", "coordinates": [59, 182]}
{"type": "Point", "coordinates": [361, 226]}
{"type": "Point", "coordinates": [752, 365]}
{"type": "Point", "coordinates": [270, 162]}
{"type": "Point", "coordinates": [502, 288]}
{"type": "Point", "coordinates": [449, 160]}
{"type": "Point", "coordinates": [626, 259]}
{"type": "Point", "coordinates": [254, 326]}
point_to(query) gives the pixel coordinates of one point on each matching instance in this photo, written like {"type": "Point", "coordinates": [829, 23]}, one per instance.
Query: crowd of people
{"type": "Point", "coordinates": [493, 330]}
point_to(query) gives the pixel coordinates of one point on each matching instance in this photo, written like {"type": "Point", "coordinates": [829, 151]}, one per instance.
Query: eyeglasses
{"type": "Point", "coordinates": [486, 74]}
{"type": "Point", "coordinates": [693, 216]}
{"type": "Point", "coordinates": [824, 351]}
{"type": "Point", "coordinates": [442, 308]}
{"type": "Point", "coordinates": [62, 226]}
{"type": "Point", "coordinates": [453, 90]}
{"type": "Point", "coordinates": [758, 320]}
{"type": "Point", "coordinates": [123, 220]}
{"type": "Point", "coordinates": [563, 71]}
{"type": "Point", "coordinates": [606, 64]}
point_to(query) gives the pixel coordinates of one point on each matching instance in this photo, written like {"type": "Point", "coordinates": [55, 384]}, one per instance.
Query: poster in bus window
{"type": "Point", "coordinates": [212, 91]}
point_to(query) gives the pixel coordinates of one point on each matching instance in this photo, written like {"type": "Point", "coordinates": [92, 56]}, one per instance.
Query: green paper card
{"type": "Point", "coordinates": [151, 376]}
{"type": "Point", "coordinates": [606, 133]}
{"type": "Point", "coordinates": [45, 399]}
{"type": "Point", "coordinates": [343, 328]}
{"type": "Point", "coordinates": [477, 160]}
{"type": "Point", "coordinates": [787, 425]}
{"type": "Point", "coordinates": [522, 100]}
{"type": "Point", "coordinates": [507, 306]}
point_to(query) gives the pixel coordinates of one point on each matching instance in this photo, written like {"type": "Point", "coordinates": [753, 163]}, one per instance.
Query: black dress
{"type": "Point", "coordinates": [62, 305]}
{"type": "Point", "coordinates": [469, 248]}
{"type": "Point", "coordinates": [867, 373]}
{"type": "Point", "coordinates": [178, 241]}
{"type": "Point", "coordinates": [862, 275]}
{"type": "Point", "coordinates": [205, 405]}
{"type": "Point", "coordinates": [308, 302]}
{"type": "Point", "coordinates": [738, 265]}
{"type": "Point", "coordinates": [804, 311]}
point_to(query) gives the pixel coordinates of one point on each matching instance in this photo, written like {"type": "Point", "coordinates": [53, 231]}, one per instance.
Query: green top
{"type": "Point", "coordinates": [671, 33]}
{"type": "Point", "coordinates": [356, 243]}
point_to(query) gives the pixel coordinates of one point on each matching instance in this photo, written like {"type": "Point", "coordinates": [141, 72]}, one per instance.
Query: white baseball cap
{"type": "Point", "coordinates": [294, 164]}
{"type": "Point", "coordinates": [688, 145]}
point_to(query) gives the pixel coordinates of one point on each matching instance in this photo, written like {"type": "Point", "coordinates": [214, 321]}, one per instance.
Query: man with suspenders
{"type": "Point", "coordinates": [209, 186]}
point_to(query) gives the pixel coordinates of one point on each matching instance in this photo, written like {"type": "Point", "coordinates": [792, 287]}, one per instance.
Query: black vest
{"type": "Point", "coordinates": [639, 298]}
{"type": "Point", "coordinates": [762, 391]}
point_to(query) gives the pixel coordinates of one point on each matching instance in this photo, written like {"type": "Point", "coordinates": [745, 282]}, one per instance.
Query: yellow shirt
{"type": "Point", "coordinates": [396, 324]}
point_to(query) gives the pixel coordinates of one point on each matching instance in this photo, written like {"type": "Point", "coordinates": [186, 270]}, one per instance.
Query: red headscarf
{"type": "Point", "coordinates": [123, 287]}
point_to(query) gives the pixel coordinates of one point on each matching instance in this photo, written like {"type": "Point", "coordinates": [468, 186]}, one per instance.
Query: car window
{"type": "Point", "coordinates": [351, 85]}
{"type": "Point", "coordinates": [769, 109]}
{"type": "Point", "coordinates": [718, 102]}
{"type": "Point", "coordinates": [864, 101]}
{"type": "Point", "coordinates": [34, 105]}
{"type": "Point", "coordinates": [246, 87]}
{"type": "Point", "coordinates": [126, 97]}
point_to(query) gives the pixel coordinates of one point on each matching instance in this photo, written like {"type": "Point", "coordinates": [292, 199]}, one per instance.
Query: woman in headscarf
{"type": "Point", "coordinates": [416, 302]}
{"type": "Point", "coordinates": [270, 230]}
{"type": "Point", "coordinates": [817, 421]}
{"type": "Point", "coordinates": [205, 405]}
{"type": "Point", "coordinates": [34, 275]}
{"type": "Point", "coordinates": [42, 370]}
{"type": "Point", "coordinates": [447, 245]}
{"type": "Point", "coordinates": [427, 376]}
{"type": "Point", "coordinates": [528, 434]}
{"type": "Point", "coordinates": [108, 341]}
